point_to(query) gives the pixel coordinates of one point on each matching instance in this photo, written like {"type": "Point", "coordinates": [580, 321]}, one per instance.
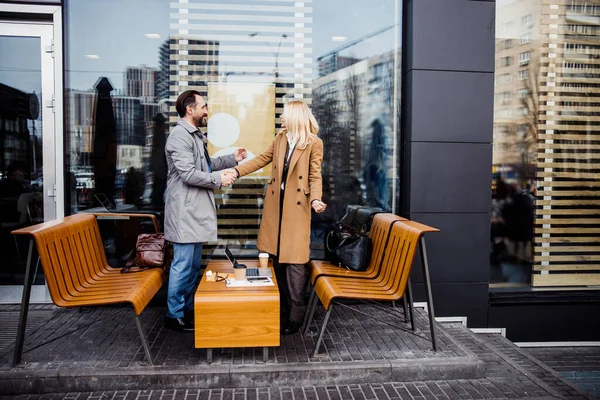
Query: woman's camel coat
{"type": "Point", "coordinates": [303, 185]}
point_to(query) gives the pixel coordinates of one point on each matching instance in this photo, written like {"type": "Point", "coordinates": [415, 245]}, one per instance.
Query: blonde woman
{"type": "Point", "coordinates": [294, 187]}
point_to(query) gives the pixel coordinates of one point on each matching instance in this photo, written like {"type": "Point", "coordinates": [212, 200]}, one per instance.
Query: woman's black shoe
{"type": "Point", "coordinates": [292, 327]}
{"type": "Point", "coordinates": [179, 324]}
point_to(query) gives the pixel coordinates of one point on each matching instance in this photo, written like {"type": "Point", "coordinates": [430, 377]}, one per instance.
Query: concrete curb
{"type": "Point", "coordinates": [21, 381]}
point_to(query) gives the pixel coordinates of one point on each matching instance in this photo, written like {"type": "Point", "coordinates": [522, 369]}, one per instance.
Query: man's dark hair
{"type": "Point", "coordinates": [185, 99]}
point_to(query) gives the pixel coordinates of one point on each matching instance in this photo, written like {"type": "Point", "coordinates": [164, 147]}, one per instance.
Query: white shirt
{"type": "Point", "coordinates": [292, 144]}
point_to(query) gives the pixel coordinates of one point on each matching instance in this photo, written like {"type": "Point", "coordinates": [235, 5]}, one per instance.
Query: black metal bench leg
{"type": "Point", "coordinates": [24, 308]}
{"type": "Point", "coordinates": [144, 338]}
{"type": "Point", "coordinates": [408, 303]}
{"type": "Point", "coordinates": [310, 312]}
{"type": "Point", "coordinates": [425, 265]}
{"type": "Point", "coordinates": [325, 320]}
{"type": "Point", "coordinates": [311, 299]}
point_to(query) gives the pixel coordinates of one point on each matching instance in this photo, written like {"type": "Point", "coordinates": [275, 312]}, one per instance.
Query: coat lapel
{"type": "Point", "coordinates": [281, 158]}
{"type": "Point", "coordinates": [295, 157]}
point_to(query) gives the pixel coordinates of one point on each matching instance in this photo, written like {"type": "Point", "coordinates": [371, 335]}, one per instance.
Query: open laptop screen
{"type": "Point", "coordinates": [230, 256]}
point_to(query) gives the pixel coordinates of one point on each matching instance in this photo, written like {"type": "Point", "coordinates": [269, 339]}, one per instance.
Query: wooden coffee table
{"type": "Point", "coordinates": [227, 317]}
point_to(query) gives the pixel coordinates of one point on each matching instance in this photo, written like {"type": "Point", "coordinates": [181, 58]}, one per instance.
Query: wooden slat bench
{"type": "Point", "coordinates": [391, 283]}
{"type": "Point", "coordinates": [379, 234]}
{"type": "Point", "coordinates": [77, 272]}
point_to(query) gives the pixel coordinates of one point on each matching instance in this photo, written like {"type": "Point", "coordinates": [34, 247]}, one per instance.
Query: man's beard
{"type": "Point", "coordinates": [203, 122]}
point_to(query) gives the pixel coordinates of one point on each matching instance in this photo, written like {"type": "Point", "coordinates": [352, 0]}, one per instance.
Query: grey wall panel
{"type": "Point", "coordinates": [458, 300]}
{"type": "Point", "coordinates": [460, 252]}
{"type": "Point", "coordinates": [452, 35]}
{"type": "Point", "coordinates": [446, 106]}
{"type": "Point", "coordinates": [450, 177]}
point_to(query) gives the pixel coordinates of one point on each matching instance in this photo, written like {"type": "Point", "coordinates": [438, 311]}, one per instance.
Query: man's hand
{"type": "Point", "coordinates": [240, 154]}
{"type": "Point", "coordinates": [318, 206]}
{"type": "Point", "coordinates": [228, 177]}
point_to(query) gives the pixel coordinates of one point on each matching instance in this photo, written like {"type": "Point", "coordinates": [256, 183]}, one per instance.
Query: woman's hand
{"type": "Point", "coordinates": [318, 206]}
{"type": "Point", "coordinates": [240, 154]}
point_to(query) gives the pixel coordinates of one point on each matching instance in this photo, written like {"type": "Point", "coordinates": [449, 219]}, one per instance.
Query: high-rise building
{"type": "Point", "coordinates": [140, 82]}
{"type": "Point", "coordinates": [332, 62]}
{"type": "Point", "coordinates": [567, 160]}
{"type": "Point", "coordinates": [361, 95]}
{"type": "Point", "coordinates": [185, 64]}
{"type": "Point", "coordinates": [80, 116]}
{"type": "Point", "coordinates": [518, 49]}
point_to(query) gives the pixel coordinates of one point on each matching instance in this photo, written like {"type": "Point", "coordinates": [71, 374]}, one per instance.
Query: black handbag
{"type": "Point", "coordinates": [354, 252]}
{"type": "Point", "coordinates": [355, 223]}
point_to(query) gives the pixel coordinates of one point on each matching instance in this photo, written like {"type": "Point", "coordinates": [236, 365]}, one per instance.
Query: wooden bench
{"type": "Point", "coordinates": [389, 285]}
{"type": "Point", "coordinates": [77, 273]}
{"type": "Point", "coordinates": [379, 234]}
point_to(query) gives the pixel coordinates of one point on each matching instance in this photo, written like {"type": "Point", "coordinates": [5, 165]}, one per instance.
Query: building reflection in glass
{"type": "Point", "coordinates": [340, 58]}
{"type": "Point", "coordinates": [545, 189]}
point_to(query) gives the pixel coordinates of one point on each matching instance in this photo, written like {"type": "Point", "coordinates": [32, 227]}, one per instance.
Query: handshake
{"type": "Point", "coordinates": [228, 176]}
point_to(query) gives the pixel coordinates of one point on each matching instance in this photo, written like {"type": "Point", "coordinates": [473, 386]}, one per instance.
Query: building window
{"type": "Point", "coordinates": [526, 21]}
{"type": "Point", "coordinates": [523, 75]}
{"type": "Point", "coordinates": [523, 93]}
{"type": "Point", "coordinates": [524, 58]}
{"type": "Point", "coordinates": [505, 61]}
{"type": "Point", "coordinates": [504, 113]}
{"type": "Point", "coordinates": [504, 97]}
{"type": "Point", "coordinates": [503, 79]}
{"type": "Point", "coordinates": [526, 38]}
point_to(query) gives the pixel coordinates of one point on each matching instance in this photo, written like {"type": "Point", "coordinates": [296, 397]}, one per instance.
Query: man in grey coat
{"type": "Point", "coordinates": [190, 212]}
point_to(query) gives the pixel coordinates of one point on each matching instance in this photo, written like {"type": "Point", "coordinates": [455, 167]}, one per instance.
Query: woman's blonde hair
{"type": "Point", "coordinates": [300, 122]}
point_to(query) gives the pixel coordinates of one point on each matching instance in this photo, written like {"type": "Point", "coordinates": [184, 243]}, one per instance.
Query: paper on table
{"type": "Point", "coordinates": [252, 283]}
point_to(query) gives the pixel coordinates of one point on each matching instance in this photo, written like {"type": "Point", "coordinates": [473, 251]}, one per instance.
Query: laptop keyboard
{"type": "Point", "coordinates": [251, 271]}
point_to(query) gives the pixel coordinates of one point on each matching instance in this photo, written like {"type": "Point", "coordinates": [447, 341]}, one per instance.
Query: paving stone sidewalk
{"type": "Point", "coordinates": [509, 372]}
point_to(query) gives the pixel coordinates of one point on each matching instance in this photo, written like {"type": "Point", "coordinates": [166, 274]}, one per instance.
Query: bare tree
{"type": "Point", "coordinates": [352, 86]}
{"type": "Point", "coordinates": [527, 143]}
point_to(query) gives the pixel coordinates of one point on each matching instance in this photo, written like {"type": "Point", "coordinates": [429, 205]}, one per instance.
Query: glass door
{"type": "Point", "coordinates": [27, 148]}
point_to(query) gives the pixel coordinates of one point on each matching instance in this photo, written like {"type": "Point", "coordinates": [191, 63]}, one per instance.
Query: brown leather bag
{"type": "Point", "coordinates": [150, 252]}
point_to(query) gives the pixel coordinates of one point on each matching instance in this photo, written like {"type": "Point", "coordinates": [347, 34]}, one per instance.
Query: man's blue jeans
{"type": "Point", "coordinates": [183, 277]}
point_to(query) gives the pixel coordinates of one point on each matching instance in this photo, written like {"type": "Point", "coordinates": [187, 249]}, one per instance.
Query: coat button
{"type": "Point", "coordinates": [272, 192]}
{"type": "Point", "coordinates": [300, 177]}
{"type": "Point", "coordinates": [275, 167]}
{"type": "Point", "coordinates": [298, 189]}
{"type": "Point", "coordinates": [298, 203]}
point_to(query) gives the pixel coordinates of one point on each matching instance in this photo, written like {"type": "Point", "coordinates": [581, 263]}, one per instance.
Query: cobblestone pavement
{"type": "Point", "coordinates": [106, 337]}
{"type": "Point", "coordinates": [578, 365]}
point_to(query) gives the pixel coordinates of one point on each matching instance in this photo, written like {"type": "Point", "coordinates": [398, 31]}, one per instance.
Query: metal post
{"type": "Point", "coordinates": [265, 354]}
{"type": "Point", "coordinates": [311, 298]}
{"type": "Point", "coordinates": [311, 312]}
{"type": "Point", "coordinates": [405, 306]}
{"type": "Point", "coordinates": [24, 308]}
{"type": "Point", "coordinates": [425, 265]}
{"type": "Point", "coordinates": [408, 299]}
{"type": "Point", "coordinates": [209, 356]}
{"type": "Point", "coordinates": [143, 338]}
{"type": "Point", "coordinates": [325, 320]}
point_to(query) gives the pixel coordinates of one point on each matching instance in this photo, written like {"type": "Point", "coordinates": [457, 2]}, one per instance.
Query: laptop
{"type": "Point", "coordinates": [250, 272]}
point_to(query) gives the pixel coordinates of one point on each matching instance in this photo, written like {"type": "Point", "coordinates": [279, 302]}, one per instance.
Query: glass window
{"type": "Point", "coordinates": [545, 163]}
{"type": "Point", "coordinates": [523, 74]}
{"type": "Point", "coordinates": [247, 58]}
